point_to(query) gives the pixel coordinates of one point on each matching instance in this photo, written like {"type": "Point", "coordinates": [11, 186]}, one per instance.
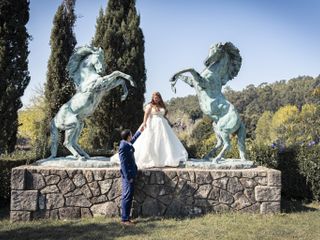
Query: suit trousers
{"type": "Point", "coordinates": [126, 199]}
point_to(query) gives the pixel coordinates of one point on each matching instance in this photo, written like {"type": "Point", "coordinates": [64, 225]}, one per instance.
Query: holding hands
{"type": "Point", "coordinates": [142, 127]}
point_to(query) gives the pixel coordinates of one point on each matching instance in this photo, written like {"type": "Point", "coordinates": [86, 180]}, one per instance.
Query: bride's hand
{"type": "Point", "coordinates": [142, 127]}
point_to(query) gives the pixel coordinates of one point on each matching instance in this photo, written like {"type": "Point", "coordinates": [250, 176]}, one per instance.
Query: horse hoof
{"type": "Point", "coordinates": [216, 160]}
{"type": "Point", "coordinates": [82, 158]}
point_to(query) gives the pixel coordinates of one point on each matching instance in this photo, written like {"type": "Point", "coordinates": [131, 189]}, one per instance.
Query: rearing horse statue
{"type": "Point", "coordinates": [85, 68]}
{"type": "Point", "coordinates": [222, 65]}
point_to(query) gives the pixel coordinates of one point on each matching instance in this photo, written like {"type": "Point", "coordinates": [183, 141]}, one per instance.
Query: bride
{"type": "Point", "coordinates": [158, 146]}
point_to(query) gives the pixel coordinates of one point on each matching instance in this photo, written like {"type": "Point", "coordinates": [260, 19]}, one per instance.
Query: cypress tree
{"type": "Point", "coordinates": [14, 74]}
{"type": "Point", "coordinates": [58, 87]}
{"type": "Point", "coordinates": [119, 34]}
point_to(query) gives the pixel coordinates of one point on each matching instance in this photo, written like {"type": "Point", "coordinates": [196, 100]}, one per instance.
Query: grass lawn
{"type": "Point", "coordinates": [300, 222]}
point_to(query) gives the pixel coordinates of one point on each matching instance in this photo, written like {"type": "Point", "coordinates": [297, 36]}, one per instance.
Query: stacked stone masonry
{"type": "Point", "coordinates": [67, 193]}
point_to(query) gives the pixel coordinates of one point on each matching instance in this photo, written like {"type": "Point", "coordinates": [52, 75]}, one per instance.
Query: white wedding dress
{"type": "Point", "coordinates": [157, 146]}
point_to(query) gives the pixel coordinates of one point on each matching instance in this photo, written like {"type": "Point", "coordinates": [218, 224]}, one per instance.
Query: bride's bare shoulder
{"type": "Point", "coordinates": [148, 107]}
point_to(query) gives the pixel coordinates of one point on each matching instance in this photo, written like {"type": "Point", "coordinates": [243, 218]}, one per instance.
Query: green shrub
{"type": "Point", "coordinates": [204, 146]}
{"type": "Point", "coordinates": [202, 130]}
{"type": "Point", "coordinates": [309, 164]}
{"type": "Point", "coordinates": [263, 155]}
{"type": "Point", "coordinates": [294, 184]}
{"type": "Point", "coordinates": [233, 152]}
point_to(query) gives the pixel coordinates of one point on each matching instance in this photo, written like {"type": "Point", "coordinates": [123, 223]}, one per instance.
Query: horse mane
{"type": "Point", "coordinates": [79, 54]}
{"type": "Point", "coordinates": [235, 60]}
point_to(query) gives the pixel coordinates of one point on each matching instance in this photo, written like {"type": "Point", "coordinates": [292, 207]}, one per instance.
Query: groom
{"type": "Point", "coordinates": [128, 172]}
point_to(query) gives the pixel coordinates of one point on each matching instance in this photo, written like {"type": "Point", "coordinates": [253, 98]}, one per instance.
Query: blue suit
{"type": "Point", "coordinates": [128, 171]}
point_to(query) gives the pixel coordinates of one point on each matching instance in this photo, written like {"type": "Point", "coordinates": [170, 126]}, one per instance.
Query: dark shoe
{"type": "Point", "coordinates": [127, 223]}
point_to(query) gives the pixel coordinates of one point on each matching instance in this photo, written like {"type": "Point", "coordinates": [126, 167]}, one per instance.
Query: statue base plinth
{"type": "Point", "coordinates": [73, 162]}
{"type": "Point", "coordinates": [227, 163]}
{"type": "Point", "coordinates": [43, 192]}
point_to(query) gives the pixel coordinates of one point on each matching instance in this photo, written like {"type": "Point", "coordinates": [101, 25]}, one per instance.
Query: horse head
{"type": "Point", "coordinates": [89, 55]}
{"type": "Point", "coordinates": [229, 55]}
{"type": "Point", "coordinates": [215, 54]}
{"type": "Point", "coordinates": [97, 60]}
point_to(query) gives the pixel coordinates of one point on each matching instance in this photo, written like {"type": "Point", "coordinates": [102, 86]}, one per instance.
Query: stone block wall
{"type": "Point", "coordinates": [67, 193]}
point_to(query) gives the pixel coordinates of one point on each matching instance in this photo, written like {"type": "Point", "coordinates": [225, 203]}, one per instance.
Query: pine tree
{"type": "Point", "coordinates": [58, 87]}
{"type": "Point", "coordinates": [14, 74]}
{"type": "Point", "coordinates": [119, 34]}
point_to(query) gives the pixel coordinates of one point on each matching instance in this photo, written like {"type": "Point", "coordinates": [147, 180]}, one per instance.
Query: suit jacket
{"type": "Point", "coordinates": [126, 154]}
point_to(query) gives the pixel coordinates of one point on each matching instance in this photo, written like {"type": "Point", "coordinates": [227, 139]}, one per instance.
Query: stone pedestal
{"type": "Point", "coordinates": [40, 192]}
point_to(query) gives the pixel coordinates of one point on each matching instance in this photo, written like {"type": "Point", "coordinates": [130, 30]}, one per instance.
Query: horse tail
{"type": "Point", "coordinates": [54, 138]}
{"type": "Point", "coordinates": [241, 134]}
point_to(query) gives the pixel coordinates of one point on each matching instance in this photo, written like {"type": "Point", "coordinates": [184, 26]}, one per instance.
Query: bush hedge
{"type": "Point", "coordinates": [295, 185]}
{"type": "Point", "coordinates": [309, 165]}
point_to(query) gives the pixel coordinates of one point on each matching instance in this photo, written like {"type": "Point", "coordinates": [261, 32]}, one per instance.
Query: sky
{"type": "Point", "coordinates": [277, 39]}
